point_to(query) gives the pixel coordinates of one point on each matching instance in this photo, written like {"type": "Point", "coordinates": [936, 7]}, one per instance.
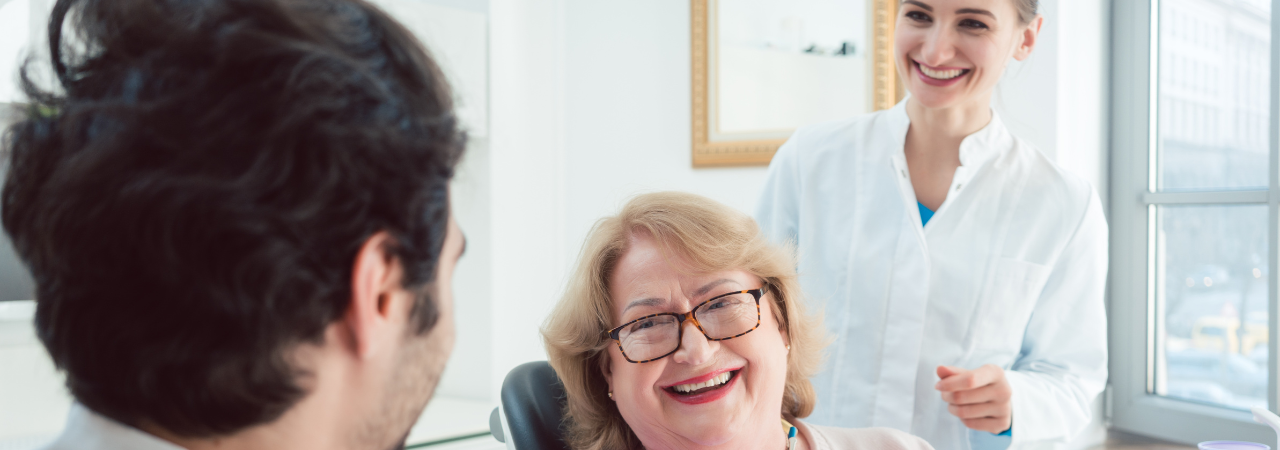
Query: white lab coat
{"type": "Point", "coordinates": [1010, 271]}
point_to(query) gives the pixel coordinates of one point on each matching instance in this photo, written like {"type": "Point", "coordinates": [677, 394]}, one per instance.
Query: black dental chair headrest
{"type": "Point", "coordinates": [533, 400]}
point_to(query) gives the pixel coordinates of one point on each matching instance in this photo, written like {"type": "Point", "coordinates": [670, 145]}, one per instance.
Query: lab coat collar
{"type": "Point", "coordinates": [975, 149]}
{"type": "Point", "coordinates": [991, 140]}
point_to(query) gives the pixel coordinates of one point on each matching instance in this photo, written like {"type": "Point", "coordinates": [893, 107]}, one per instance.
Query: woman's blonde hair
{"type": "Point", "coordinates": [712, 237]}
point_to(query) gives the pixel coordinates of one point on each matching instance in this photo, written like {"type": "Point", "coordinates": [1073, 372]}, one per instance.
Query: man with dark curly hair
{"type": "Point", "coordinates": [237, 216]}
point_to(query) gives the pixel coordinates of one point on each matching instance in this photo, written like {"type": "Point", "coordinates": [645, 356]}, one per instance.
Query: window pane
{"type": "Point", "coordinates": [1214, 97]}
{"type": "Point", "coordinates": [1211, 297]}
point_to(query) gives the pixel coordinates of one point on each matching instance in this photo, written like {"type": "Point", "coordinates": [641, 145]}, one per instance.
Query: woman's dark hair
{"type": "Point", "coordinates": [191, 198]}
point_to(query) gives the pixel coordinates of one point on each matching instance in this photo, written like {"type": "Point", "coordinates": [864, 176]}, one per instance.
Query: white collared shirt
{"type": "Point", "coordinates": [87, 430]}
{"type": "Point", "coordinates": [1010, 271]}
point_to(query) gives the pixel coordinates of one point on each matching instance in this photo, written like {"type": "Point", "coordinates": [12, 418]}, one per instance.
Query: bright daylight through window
{"type": "Point", "coordinates": [1211, 260]}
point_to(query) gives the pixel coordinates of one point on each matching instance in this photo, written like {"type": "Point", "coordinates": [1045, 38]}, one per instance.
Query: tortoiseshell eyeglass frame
{"type": "Point", "coordinates": [681, 317]}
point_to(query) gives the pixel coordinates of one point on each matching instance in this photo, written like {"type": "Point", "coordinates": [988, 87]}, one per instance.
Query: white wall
{"type": "Point", "coordinates": [1083, 89]}
{"type": "Point", "coordinates": [526, 166]}
{"type": "Point", "coordinates": [627, 113]}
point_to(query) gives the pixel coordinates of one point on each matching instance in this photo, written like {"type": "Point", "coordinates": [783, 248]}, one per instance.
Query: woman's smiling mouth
{"type": "Point", "coordinates": [941, 76]}
{"type": "Point", "coordinates": [709, 390]}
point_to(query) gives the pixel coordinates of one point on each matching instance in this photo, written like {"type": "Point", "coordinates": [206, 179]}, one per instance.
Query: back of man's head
{"type": "Point", "coordinates": [191, 205]}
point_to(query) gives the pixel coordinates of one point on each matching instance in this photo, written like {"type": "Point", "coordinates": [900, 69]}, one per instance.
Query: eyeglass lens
{"type": "Point", "coordinates": [722, 318]}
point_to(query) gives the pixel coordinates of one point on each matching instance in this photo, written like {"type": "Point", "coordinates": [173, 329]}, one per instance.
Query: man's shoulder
{"type": "Point", "coordinates": [88, 430]}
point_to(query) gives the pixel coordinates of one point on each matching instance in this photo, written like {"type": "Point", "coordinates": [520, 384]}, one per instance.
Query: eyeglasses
{"type": "Point", "coordinates": [721, 318]}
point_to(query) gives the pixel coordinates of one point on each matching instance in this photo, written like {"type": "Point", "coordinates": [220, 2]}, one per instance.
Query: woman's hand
{"type": "Point", "coordinates": [979, 397]}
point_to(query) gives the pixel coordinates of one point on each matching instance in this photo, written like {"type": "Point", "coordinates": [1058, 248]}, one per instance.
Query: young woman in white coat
{"type": "Point", "coordinates": [960, 270]}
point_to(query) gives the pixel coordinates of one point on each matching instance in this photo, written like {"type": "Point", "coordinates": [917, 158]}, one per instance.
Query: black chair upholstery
{"type": "Point", "coordinates": [533, 400]}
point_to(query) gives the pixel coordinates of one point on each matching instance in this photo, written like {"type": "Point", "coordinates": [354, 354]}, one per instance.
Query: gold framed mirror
{"type": "Point", "coordinates": [762, 68]}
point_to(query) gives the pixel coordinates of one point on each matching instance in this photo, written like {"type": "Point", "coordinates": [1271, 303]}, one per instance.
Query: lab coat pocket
{"type": "Point", "coordinates": [1007, 302]}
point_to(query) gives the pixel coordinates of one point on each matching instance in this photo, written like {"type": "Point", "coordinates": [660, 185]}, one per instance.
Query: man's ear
{"type": "Point", "coordinates": [375, 277]}
{"type": "Point", "coordinates": [1027, 41]}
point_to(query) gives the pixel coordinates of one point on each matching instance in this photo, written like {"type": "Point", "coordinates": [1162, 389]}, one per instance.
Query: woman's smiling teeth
{"type": "Point", "coordinates": [713, 382]}
{"type": "Point", "coordinates": [940, 74]}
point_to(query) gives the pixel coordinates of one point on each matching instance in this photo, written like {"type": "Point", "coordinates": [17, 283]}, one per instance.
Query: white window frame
{"type": "Point", "coordinates": [1133, 308]}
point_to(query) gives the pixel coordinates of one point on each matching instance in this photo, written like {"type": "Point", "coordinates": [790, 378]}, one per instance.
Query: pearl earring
{"type": "Point", "coordinates": [788, 347]}
{"type": "Point", "coordinates": [611, 395]}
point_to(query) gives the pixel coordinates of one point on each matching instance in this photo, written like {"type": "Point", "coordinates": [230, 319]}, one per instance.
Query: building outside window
{"type": "Point", "coordinates": [1213, 67]}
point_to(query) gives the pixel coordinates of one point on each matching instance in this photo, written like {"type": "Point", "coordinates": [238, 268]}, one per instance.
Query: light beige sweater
{"type": "Point", "coordinates": [832, 438]}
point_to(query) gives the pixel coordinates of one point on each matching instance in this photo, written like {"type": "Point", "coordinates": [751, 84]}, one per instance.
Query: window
{"type": "Point", "coordinates": [1195, 217]}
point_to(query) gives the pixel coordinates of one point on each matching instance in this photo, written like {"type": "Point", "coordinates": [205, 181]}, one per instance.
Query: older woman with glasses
{"type": "Point", "coordinates": [683, 328]}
